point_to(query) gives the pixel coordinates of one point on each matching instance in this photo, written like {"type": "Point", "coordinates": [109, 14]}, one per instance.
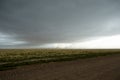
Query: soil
{"type": "Point", "coordinates": [99, 68]}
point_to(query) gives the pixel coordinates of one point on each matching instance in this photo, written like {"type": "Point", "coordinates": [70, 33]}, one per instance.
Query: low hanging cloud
{"type": "Point", "coordinates": [31, 23]}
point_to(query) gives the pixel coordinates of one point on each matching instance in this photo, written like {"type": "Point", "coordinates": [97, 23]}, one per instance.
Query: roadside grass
{"type": "Point", "coordinates": [11, 58]}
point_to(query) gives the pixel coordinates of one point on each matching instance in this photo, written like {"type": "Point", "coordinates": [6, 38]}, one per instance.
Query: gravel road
{"type": "Point", "coordinates": [99, 68]}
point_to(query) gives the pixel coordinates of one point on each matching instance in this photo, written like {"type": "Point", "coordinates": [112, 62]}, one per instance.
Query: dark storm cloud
{"type": "Point", "coordinates": [37, 22]}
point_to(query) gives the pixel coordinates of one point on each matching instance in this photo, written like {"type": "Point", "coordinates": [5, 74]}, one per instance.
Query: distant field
{"type": "Point", "coordinates": [11, 58]}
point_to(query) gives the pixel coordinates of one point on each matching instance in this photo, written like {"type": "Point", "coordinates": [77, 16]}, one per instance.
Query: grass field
{"type": "Point", "coordinates": [11, 58]}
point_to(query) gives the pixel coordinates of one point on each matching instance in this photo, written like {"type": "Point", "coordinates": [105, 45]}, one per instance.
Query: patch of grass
{"type": "Point", "coordinates": [11, 58]}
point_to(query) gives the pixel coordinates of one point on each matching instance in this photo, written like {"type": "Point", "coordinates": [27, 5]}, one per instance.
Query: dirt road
{"type": "Point", "coordinates": [100, 68]}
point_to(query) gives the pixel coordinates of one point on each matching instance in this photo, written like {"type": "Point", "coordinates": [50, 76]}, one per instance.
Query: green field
{"type": "Point", "coordinates": [11, 58]}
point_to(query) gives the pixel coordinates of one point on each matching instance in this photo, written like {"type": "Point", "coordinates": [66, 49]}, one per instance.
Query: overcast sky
{"type": "Point", "coordinates": [36, 23]}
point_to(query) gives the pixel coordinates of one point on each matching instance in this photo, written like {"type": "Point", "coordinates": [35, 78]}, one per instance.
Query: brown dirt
{"type": "Point", "coordinates": [100, 68]}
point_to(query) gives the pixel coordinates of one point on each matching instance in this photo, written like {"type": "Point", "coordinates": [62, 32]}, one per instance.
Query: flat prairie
{"type": "Point", "coordinates": [98, 68]}
{"type": "Point", "coordinates": [60, 65]}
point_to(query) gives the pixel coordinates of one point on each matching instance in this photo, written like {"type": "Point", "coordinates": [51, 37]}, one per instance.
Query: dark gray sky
{"type": "Point", "coordinates": [34, 23]}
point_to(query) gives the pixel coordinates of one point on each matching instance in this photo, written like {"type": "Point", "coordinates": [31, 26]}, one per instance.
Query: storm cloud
{"type": "Point", "coordinates": [30, 23]}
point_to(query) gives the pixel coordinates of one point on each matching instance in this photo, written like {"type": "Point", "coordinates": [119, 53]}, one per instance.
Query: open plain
{"type": "Point", "coordinates": [96, 68]}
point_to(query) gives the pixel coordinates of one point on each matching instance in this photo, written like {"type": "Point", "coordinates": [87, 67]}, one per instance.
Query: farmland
{"type": "Point", "coordinates": [11, 58]}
